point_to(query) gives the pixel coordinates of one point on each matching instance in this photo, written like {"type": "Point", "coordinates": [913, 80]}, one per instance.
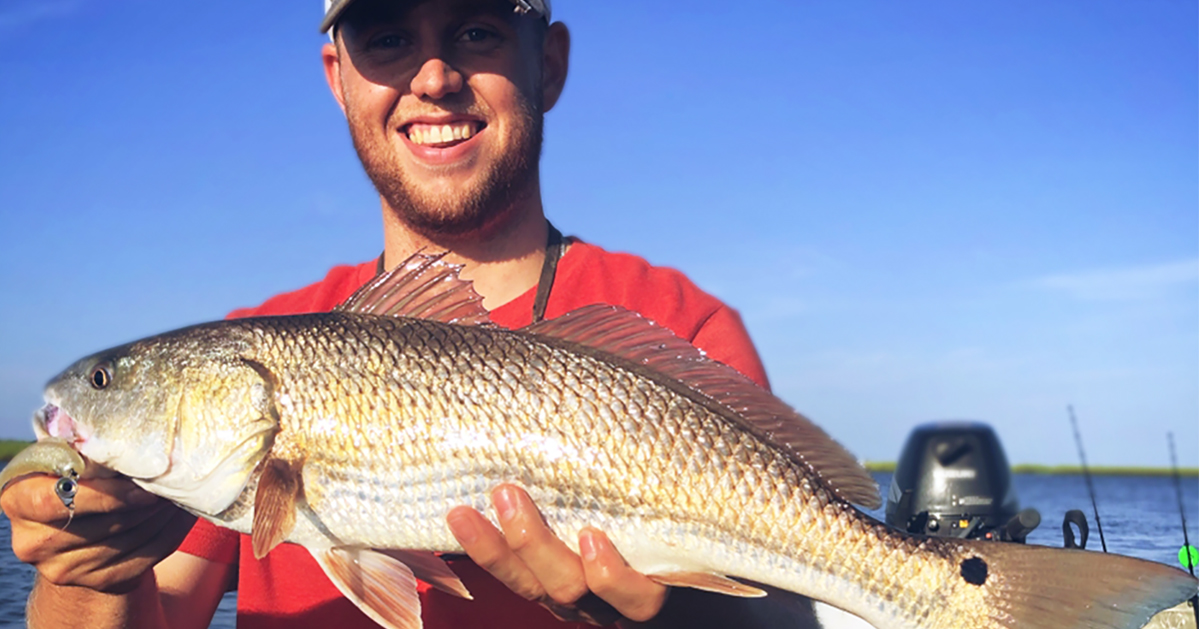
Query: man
{"type": "Point", "coordinates": [444, 101]}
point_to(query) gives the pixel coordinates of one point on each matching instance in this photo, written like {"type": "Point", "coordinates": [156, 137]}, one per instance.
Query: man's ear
{"type": "Point", "coordinates": [556, 55]}
{"type": "Point", "coordinates": [333, 73]}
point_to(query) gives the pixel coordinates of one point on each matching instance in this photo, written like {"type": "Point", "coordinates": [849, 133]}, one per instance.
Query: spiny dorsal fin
{"type": "Point", "coordinates": [423, 287]}
{"type": "Point", "coordinates": [382, 587]}
{"type": "Point", "coordinates": [279, 488]}
{"type": "Point", "coordinates": [629, 336]}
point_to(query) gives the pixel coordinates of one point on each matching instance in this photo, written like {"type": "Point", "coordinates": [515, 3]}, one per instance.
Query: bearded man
{"type": "Point", "coordinates": [445, 102]}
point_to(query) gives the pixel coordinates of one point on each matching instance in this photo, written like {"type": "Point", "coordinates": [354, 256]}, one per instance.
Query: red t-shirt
{"type": "Point", "coordinates": [288, 589]}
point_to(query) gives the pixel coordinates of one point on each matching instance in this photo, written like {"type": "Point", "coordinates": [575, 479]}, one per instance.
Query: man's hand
{"type": "Point", "coordinates": [117, 533]}
{"type": "Point", "coordinates": [529, 559]}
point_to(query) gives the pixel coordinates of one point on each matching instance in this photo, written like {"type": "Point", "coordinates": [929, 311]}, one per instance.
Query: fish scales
{"type": "Point", "coordinates": [441, 395]}
{"type": "Point", "coordinates": [362, 428]}
{"type": "Point", "coordinates": [460, 418]}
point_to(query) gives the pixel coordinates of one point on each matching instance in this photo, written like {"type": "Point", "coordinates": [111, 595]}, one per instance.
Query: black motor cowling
{"type": "Point", "coordinates": [953, 480]}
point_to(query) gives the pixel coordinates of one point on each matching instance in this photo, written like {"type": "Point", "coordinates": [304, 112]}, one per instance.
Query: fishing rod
{"type": "Point", "coordinates": [1179, 495]}
{"type": "Point", "coordinates": [1087, 476]}
{"type": "Point", "coordinates": [1187, 544]}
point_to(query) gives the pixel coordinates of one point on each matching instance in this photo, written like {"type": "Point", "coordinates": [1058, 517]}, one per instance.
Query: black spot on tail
{"type": "Point", "coordinates": [974, 570]}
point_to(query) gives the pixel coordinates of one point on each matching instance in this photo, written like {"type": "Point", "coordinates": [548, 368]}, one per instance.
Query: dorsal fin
{"type": "Point", "coordinates": [423, 287]}
{"type": "Point", "coordinates": [648, 346]}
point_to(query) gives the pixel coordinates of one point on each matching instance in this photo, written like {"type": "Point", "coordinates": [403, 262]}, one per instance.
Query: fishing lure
{"type": "Point", "coordinates": [49, 456]}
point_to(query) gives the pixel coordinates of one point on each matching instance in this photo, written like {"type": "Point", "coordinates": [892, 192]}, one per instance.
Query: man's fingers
{"type": "Point", "coordinates": [110, 562]}
{"type": "Point", "coordinates": [487, 548]}
{"type": "Point", "coordinates": [143, 546]}
{"type": "Point", "coordinates": [35, 541]}
{"type": "Point", "coordinates": [533, 562]}
{"type": "Point", "coordinates": [46, 534]}
{"type": "Point", "coordinates": [113, 536]}
{"type": "Point", "coordinates": [73, 560]}
{"type": "Point", "coordinates": [33, 498]}
{"type": "Point", "coordinates": [609, 577]}
{"type": "Point", "coordinates": [554, 564]}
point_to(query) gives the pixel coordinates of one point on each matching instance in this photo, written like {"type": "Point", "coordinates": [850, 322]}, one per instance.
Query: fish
{"type": "Point", "coordinates": [354, 432]}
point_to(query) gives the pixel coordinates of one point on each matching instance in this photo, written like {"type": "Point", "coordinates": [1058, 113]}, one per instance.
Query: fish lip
{"type": "Point", "coordinates": [41, 419]}
{"type": "Point", "coordinates": [52, 421]}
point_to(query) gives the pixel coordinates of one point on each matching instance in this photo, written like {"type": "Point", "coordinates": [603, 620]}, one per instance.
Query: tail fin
{"type": "Point", "coordinates": [1051, 588]}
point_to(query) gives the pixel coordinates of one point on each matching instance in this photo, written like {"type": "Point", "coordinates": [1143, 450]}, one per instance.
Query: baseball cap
{"type": "Point", "coordinates": [335, 8]}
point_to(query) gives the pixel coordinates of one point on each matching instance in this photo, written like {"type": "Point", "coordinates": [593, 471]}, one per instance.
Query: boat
{"type": "Point", "coordinates": [953, 480]}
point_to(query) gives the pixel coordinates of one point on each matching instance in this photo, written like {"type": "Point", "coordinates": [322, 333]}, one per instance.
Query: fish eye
{"type": "Point", "coordinates": [101, 376]}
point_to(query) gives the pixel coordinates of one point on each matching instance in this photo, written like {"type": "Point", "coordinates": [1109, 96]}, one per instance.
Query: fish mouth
{"type": "Point", "coordinates": [52, 421]}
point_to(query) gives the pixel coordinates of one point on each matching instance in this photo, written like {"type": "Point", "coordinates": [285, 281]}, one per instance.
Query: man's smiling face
{"type": "Point", "coordinates": [444, 101]}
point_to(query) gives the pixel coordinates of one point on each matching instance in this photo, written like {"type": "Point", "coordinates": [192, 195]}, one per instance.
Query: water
{"type": "Point", "coordinates": [1140, 514]}
{"type": "Point", "coordinates": [1140, 517]}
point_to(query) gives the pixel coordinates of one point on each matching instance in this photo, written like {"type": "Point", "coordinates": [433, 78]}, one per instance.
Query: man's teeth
{"type": "Point", "coordinates": [440, 134]}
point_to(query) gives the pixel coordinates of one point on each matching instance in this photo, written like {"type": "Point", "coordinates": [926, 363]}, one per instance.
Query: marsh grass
{"type": "Point", "coordinates": [9, 448]}
{"type": "Point", "coordinates": [1102, 470]}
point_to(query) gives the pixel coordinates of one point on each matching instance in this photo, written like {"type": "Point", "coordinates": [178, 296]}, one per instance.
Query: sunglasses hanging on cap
{"type": "Point", "coordinates": [335, 8]}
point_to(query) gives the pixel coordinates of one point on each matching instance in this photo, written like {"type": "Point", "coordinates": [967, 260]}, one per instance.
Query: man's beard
{"type": "Point", "coordinates": [465, 211]}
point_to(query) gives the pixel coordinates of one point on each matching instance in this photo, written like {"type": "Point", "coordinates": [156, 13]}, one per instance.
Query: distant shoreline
{"type": "Point", "coordinates": [1036, 468]}
{"type": "Point", "coordinates": [9, 448]}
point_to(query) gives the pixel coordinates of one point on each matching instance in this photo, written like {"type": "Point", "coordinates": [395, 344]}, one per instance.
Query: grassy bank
{"type": "Point", "coordinates": [1098, 470]}
{"type": "Point", "coordinates": [10, 448]}
{"type": "Point", "coordinates": [1102, 470]}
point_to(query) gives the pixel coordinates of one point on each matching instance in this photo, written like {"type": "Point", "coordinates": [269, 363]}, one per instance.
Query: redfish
{"type": "Point", "coordinates": [353, 433]}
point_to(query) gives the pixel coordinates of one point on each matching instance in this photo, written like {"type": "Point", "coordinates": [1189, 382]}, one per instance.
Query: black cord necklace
{"type": "Point", "coordinates": [556, 246]}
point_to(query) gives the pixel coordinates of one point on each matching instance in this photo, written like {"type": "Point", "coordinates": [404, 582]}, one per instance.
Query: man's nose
{"type": "Point", "coordinates": [436, 79]}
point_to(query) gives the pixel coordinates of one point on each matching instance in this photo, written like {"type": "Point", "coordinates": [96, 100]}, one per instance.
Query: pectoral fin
{"type": "Point", "coordinates": [279, 488]}
{"type": "Point", "coordinates": [708, 582]}
{"type": "Point", "coordinates": [384, 588]}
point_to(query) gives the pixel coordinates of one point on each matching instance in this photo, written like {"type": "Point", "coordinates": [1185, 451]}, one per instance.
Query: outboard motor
{"type": "Point", "coordinates": [953, 480]}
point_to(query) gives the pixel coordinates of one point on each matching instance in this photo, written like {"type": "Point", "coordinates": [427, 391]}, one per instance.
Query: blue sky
{"type": "Point", "coordinates": [923, 210]}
